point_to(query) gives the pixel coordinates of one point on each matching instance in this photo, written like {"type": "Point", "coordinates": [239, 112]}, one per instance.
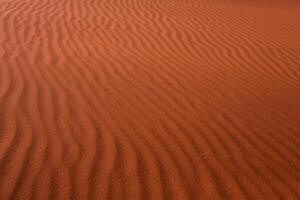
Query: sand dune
{"type": "Point", "coordinates": [136, 99]}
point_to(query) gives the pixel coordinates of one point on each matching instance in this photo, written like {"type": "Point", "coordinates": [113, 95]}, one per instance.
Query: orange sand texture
{"type": "Point", "coordinates": [149, 99]}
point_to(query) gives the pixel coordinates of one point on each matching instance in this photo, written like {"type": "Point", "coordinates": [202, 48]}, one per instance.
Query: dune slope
{"type": "Point", "coordinates": [161, 99]}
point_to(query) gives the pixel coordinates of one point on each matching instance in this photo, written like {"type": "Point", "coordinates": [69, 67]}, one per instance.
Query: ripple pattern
{"type": "Point", "coordinates": [161, 99]}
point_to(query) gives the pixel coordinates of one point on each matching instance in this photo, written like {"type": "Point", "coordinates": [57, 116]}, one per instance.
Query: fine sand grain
{"type": "Point", "coordinates": [149, 99]}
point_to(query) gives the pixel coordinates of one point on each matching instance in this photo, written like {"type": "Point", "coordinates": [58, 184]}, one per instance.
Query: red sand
{"type": "Point", "coordinates": [136, 99]}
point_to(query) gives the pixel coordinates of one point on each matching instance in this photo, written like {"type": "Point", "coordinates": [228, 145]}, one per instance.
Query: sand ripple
{"type": "Point", "coordinates": [136, 99]}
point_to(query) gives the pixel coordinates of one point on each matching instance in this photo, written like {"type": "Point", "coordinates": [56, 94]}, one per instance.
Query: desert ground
{"type": "Point", "coordinates": [149, 99]}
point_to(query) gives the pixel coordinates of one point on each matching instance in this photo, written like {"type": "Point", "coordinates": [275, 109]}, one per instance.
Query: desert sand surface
{"type": "Point", "coordinates": [149, 99]}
